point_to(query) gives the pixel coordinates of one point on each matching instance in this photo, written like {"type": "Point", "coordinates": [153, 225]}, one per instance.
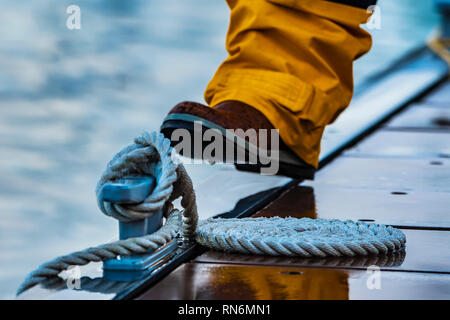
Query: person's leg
{"type": "Point", "coordinates": [293, 61]}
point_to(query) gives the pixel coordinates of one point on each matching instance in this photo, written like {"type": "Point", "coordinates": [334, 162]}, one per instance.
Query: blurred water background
{"type": "Point", "coordinates": [70, 99]}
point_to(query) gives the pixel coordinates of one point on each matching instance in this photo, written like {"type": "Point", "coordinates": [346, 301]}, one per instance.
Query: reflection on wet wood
{"type": "Point", "coordinates": [296, 202]}
{"type": "Point", "coordinates": [392, 207]}
{"type": "Point", "coordinates": [426, 251]}
{"type": "Point", "coordinates": [383, 261]}
{"type": "Point", "coordinates": [215, 281]}
{"type": "Point", "coordinates": [210, 281]}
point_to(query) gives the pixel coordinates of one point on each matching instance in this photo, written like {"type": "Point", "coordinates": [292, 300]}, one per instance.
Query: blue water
{"type": "Point", "coordinates": [70, 99]}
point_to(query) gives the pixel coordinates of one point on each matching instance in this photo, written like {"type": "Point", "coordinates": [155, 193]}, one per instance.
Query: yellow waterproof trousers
{"type": "Point", "coordinates": [293, 61]}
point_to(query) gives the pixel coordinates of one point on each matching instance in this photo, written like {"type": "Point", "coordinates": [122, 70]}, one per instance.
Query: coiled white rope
{"type": "Point", "coordinates": [299, 237]}
{"type": "Point", "coordinates": [151, 155]}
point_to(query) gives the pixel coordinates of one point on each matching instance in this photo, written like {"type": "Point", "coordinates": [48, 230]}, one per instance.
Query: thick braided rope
{"type": "Point", "coordinates": [299, 237]}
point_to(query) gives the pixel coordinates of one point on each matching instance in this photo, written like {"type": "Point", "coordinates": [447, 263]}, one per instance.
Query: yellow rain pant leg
{"type": "Point", "coordinates": [293, 61]}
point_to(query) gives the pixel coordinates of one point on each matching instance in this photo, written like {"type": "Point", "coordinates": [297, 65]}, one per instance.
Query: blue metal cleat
{"type": "Point", "coordinates": [133, 190]}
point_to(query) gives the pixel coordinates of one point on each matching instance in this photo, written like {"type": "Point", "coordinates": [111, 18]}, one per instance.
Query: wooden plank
{"type": "Point", "coordinates": [394, 175]}
{"type": "Point", "coordinates": [395, 144]}
{"type": "Point", "coordinates": [381, 99]}
{"type": "Point", "coordinates": [412, 209]}
{"type": "Point", "coordinates": [422, 117]}
{"type": "Point", "coordinates": [199, 281]}
{"type": "Point", "coordinates": [439, 97]}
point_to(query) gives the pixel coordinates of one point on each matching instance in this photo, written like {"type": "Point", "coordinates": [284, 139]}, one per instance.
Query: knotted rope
{"type": "Point", "coordinates": [151, 155]}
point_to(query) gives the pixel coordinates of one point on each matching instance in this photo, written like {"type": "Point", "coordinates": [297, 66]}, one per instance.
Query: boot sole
{"type": "Point", "coordinates": [290, 165]}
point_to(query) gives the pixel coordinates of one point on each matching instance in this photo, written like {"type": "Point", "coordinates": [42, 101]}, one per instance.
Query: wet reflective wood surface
{"type": "Point", "coordinates": [439, 97]}
{"type": "Point", "coordinates": [412, 209]}
{"type": "Point", "coordinates": [426, 251]}
{"type": "Point", "coordinates": [385, 262]}
{"type": "Point", "coordinates": [404, 144]}
{"type": "Point", "coordinates": [218, 281]}
{"type": "Point", "coordinates": [422, 116]}
{"type": "Point", "coordinates": [395, 175]}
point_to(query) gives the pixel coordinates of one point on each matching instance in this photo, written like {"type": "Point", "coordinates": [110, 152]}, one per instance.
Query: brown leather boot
{"type": "Point", "coordinates": [251, 151]}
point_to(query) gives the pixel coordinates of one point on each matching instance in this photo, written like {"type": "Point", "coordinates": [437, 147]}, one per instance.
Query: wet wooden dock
{"type": "Point", "coordinates": [399, 175]}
